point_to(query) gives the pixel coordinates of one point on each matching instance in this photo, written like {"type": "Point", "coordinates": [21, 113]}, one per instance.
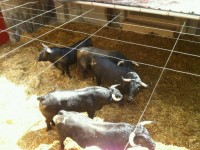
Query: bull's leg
{"type": "Point", "coordinates": [62, 147]}
{"type": "Point", "coordinates": [48, 125]}
{"type": "Point", "coordinates": [57, 65]}
{"type": "Point", "coordinates": [52, 122]}
{"type": "Point", "coordinates": [82, 69]}
{"type": "Point", "coordinates": [91, 113]}
{"type": "Point", "coordinates": [67, 72]}
{"type": "Point", "coordinates": [84, 72]}
{"type": "Point", "coordinates": [63, 72]}
{"type": "Point", "coordinates": [98, 80]}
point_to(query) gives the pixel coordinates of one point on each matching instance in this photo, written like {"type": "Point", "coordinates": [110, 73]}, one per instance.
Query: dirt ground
{"type": "Point", "coordinates": [175, 105]}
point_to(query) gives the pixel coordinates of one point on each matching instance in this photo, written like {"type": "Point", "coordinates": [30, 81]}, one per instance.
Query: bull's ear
{"type": "Point", "coordinates": [40, 98]}
{"type": "Point", "coordinates": [47, 49]}
{"type": "Point", "coordinates": [146, 122]}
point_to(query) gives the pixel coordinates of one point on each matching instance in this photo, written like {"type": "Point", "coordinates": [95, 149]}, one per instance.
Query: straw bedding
{"type": "Point", "coordinates": [175, 105]}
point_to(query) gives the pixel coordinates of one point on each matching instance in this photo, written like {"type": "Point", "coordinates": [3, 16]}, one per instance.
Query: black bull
{"type": "Point", "coordinates": [108, 71]}
{"type": "Point", "coordinates": [87, 99]}
{"type": "Point", "coordinates": [85, 54]}
{"type": "Point", "coordinates": [105, 135]}
{"type": "Point", "coordinates": [63, 58]}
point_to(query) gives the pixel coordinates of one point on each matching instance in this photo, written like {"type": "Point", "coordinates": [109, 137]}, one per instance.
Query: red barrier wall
{"type": "Point", "coordinates": [4, 37]}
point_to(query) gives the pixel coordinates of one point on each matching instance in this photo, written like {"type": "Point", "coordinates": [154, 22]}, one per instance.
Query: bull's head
{"type": "Point", "coordinates": [45, 53]}
{"type": "Point", "coordinates": [63, 115]}
{"type": "Point", "coordinates": [141, 136]}
{"type": "Point", "coordinates": [135, 84]}
{"type": "Point", "coordinates": [58, 118]}
{"type": "Point", "coordinates": [116, 95]}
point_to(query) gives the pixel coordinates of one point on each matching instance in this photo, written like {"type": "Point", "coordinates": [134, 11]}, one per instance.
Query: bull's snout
{"type": "Point", "coordinates": [130, 99]}
{"type": "Point", "coordinates": [153, 147]}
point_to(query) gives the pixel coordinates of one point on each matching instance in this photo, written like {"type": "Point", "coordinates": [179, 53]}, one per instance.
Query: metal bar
{"type": "Point", "coordinates": [157, 81]}
{"type": "Point", "coordinates": [17, 6]}
{"type": "Point", "coordinates": [75, 47]}
{"type": "Point", "coordinates": [42, 35]}
{"type": "Point", "coordinates": [127, 23]}
{"type": "Point", "coordinates": [132, 43]}
{"type": "Point", "coordinates": [141, 63]}
{"type": "Point", "coordinates": [139, 9]}
{"type": "Point", "coordinates": [30, 19]}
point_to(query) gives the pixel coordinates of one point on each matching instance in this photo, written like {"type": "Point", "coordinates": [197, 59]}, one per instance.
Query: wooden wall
{"type": "Point", "coordinates": [15, 16]}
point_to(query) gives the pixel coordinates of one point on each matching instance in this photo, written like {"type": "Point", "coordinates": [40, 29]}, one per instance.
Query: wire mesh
{"type": "Point", "coordinates": [163, 68]}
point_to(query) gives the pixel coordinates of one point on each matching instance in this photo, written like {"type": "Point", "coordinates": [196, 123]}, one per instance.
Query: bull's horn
{"type": "Point", "coordinates": [146, 122]}
{"type": "Point", "coordinates": [120, 62]}
{"type": "Point", "coordinates": [115, 98]}
{"type": "Point", "coordinates": [45, 46]}
{"type": "Point", "coordinates": [114, 86]}
{"type": "Point", "coordinates": [47, 49]}
{"type": "Point", "coordinates": [143, 84]}
{"type": "Point", "coordinates": [131, 139]}
{"type": "Point", "coordinates": [126, 80]}
{"type": "Point", "coordinates": [133, 62]}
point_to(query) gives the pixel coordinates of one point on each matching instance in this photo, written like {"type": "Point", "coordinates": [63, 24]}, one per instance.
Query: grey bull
{"type": "Point", "coordinates": [85, 55]}
{"type": "Point", "coordinates": [111, 73]}
{"type": "Point", "coordinates": [105, 135]}
{"type": "Point", "coordinates": [87, 99]}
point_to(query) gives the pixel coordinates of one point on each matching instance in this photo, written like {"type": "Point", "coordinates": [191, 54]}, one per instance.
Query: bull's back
{"type": "Point", "coordinates": [83, 43]}
{"type": "Point", "coordinates": [108, 70]}
{"type": "Point", "coordinates": [87, 132]}
{"type": "Point", "coordinates": [80, 99]}
{"type": "Point", "coordinates": [101, 53]}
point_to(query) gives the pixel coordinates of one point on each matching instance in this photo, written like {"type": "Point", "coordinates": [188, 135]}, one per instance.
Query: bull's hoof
{"type": "Point", "coordinates": [48, 128]}
{"type": "Point", "coordinates": [69, 76]}
{"type": "Point", "coordinates": [130, 101]}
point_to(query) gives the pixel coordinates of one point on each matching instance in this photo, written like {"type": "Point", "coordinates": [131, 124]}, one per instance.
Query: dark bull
{"type": "Point", "coordinates": [85, 54]}
{"type": "Point", "coordinates": [62, 57]}
{"type": "Point", "coordinates": [105, 135]}
{"type": "Point", "coordinates": [111, 73]}
{"type": "Point", "coordinates": [87, 99]}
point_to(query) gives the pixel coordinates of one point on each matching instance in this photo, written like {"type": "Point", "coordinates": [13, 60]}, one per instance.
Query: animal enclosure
{"type": "Point", "coordinates": [170, 65]}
